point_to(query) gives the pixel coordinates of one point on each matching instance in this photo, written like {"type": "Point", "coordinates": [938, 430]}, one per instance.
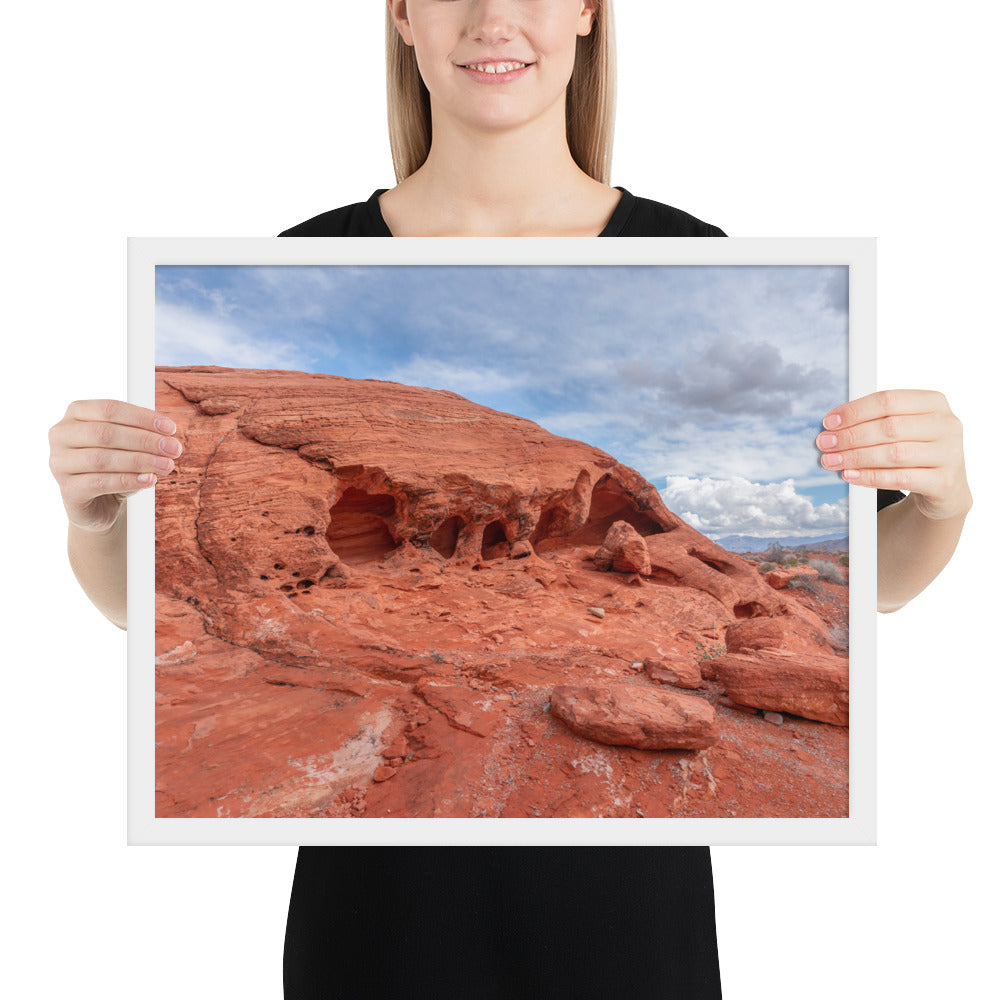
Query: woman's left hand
{"type": "Point", "coordinates": [901, 439]}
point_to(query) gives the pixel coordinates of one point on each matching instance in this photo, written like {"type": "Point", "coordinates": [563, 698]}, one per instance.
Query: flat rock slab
{"type": "Point", "coordinates": [812, 685]}
{"type": "Point", "coordinates": [678, 671]}
{"type": "Point", "coordinates": [634, 716]}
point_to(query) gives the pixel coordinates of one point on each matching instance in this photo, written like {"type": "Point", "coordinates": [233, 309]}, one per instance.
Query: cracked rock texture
{"type": "Point", "coordinates": [367, 594]}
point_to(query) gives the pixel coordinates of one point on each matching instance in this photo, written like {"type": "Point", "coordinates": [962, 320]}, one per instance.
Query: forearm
{"type": "Point", "coordinates": [912, 549]}
{"type": "Point", "coordinates": [99, 560]}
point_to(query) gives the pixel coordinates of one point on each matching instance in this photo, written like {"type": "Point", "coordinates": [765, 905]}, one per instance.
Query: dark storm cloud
{"type": "Point", "coordinates": [729, 377]}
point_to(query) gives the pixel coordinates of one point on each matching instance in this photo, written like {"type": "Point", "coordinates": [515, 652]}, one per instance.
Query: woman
{"type": "Point", "coordinates": [500, 121]}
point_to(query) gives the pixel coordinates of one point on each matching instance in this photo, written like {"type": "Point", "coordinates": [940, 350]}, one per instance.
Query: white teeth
{"type": "Point", "coordinates": [496, 67]}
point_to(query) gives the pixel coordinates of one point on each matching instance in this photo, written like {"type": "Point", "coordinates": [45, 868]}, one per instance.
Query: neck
{"type": "Point", "coordinates": [497, 182]}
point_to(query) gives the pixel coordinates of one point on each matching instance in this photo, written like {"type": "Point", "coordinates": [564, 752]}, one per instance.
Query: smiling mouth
{"type": "Point", "coordinates": [495, 68]}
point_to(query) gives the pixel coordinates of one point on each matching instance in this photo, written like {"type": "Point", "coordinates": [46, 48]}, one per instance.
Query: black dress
{"type": "Point", "coordinates": [504, 923]}
{"type": "Point", "coordinates": [632, 217]}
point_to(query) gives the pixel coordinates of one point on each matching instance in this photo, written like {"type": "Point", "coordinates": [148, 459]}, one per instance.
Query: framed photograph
{"type": "Point", "coordinates": [501, 541]}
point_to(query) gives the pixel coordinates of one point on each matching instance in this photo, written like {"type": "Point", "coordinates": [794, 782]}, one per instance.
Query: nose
{"type": "Point", "coordinates": [491, 21]}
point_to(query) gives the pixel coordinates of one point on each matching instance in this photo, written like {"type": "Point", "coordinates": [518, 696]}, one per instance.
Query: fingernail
{"type": "Point", "coordinates": [147, 478]}
{"type": "Point", "coordinates": [832, 461]}
{"type": "Point", "coordinates": [165, 425]}
{"type": "Point", "coordinates": [163, 464]}
{"type": "Point", "coordinates": [851, 474]}
{"type": "Point", "coordinates": [170, 446]}
{"type": "Point", "coordinates": [832, 422]}
{"type": "Point", "coordinates": [827, 441]}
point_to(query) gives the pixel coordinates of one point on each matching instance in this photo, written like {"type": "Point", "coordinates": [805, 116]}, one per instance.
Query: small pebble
{"type": "Point", "coordinates": [774, 717]}
{"type": "Point", "coordinates": [599, 612]}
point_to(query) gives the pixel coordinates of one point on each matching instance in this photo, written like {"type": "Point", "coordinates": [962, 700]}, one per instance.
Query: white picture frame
{"type": "Point", "coordinates": [145, 827]}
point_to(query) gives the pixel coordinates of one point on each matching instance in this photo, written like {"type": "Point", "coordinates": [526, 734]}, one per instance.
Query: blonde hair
{"type": "Point", "coordinates": [590, 100]}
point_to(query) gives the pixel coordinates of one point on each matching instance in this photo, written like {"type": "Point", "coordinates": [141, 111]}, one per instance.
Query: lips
{"type": "Point", "coordinates": [495, 67]}
{"type": "Point", "coordinates": [495, 70]}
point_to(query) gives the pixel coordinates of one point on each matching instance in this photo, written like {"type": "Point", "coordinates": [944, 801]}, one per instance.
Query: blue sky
{"type": "Point", "coordinates": [710, 380]}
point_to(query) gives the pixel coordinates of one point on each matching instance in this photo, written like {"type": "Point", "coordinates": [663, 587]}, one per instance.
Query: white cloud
{"type": "Point", "coordinates": [588, 425]}
{"type": "Point", "coordinates": [185, 336]}
{"type": "Point", "coordinates": [758, 450]}
{"type": "Point", "coordinates": [737, 506]}
{"type": "Point", "coordinates": [466, 380]}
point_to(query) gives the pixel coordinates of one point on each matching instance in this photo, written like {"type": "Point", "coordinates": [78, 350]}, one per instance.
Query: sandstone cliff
{"type": "Point", "coordinates": [368, 592]}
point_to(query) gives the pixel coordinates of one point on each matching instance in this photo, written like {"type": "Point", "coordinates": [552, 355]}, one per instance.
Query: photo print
{"type": "Point", "coordinates": [501, 542]}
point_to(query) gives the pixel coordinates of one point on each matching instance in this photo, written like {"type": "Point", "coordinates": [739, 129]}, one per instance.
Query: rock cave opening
{"type": "Point", "coordinates": [495, 543]}
{"type": "Point", "coordinates": [750, 610]}
{"type": "Point", "coordinates": [609, 502]}
{"type": "Point", "coordinates": [567, 509]}
{"type": "Point", "coordinates": [359, 530]}
{"type": "Point", "coordinates": [444, 540]}
{"type": "Point", "coordinates": [545, 528]}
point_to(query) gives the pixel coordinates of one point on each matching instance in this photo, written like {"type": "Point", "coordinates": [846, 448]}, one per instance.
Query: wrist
{"type": "Point", "coordinates": [100, 526]}
{"type": "Point", "coordinates": [954, 507]}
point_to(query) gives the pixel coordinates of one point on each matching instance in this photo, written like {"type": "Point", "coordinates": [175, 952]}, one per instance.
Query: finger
{"type": "Point", "coordinates": [117, 437]}
{"type": "Point", "coordinates": [886, 430]}
{"type": "Point", "coordinates": [886, 403]}
{"type": "Point", "coordinates": [115, 411]}
{"type": "Point", "coordinates": [899, 455]}
{"type": "Point", "coordinates": [921, 481]}
{"type": "Point", "coordinates": [81, 490]}
{"type": "Point", "coordinates": [79, 461]}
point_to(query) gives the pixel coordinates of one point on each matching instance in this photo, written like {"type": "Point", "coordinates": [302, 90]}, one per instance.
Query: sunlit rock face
{"type": "Point", "coordinates": [368, 592]}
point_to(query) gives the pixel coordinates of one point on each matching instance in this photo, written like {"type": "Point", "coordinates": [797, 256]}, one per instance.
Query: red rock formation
{"type": "Point", "coordinates": [623, 550]}
{"type": "Point", "coordinates": [780, 578]}
{"type": "Point", "coordinates": [367, 592]}
{"type": "Point", "coordinates": [813, 686]}
{"type": "Point", "coordinates": [755, 633]}
{"type": "Point", "coordinates": [633, 716]}
{"type": "Point", "coordinates": [681, 672]}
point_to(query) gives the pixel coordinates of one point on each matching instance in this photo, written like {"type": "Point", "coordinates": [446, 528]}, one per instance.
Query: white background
{"type": "Point", "coordinates": [221, 118]}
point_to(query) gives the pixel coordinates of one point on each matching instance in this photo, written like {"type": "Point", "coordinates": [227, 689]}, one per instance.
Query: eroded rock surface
{"type": "Point", "coordinates": [633, 716]}
{"type": "Point", "coordinates": [367, 594]}
{"type": "Point", "coordinates": [813, 686]}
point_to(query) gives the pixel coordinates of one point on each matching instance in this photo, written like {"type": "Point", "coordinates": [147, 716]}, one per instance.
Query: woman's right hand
{"type": "Point", "coordinates": [102, 451]}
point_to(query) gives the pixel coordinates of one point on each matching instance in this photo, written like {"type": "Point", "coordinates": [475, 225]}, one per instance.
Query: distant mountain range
{"type": "Point", "coordinates": [753, 543]}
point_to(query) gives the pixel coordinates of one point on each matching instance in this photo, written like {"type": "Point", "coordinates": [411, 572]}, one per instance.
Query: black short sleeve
{"type": "Point", "coordinates": [886, 498]}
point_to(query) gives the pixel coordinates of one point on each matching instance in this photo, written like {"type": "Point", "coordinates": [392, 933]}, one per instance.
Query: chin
{"type": "Point", "coordinates": [503, 114]}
